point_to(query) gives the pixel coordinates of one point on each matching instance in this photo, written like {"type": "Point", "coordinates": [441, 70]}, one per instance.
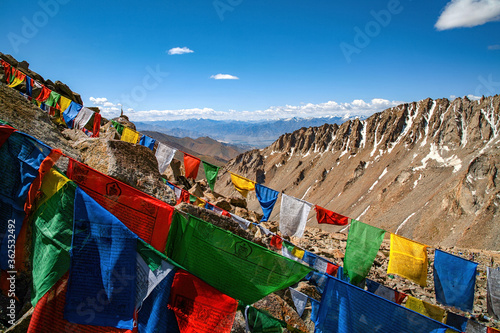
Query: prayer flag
{"type": "Point", "coordinates": [242, 184]}
{"type": "Point", "coordinates": [475, 327]}
{"type": "Point", "coordinates": [147, 142]}
{"type": "Point", "coordinates": [325, 216]}
{"type": "Point", "coordinates": [267, 198]}
{"type": "Point", "coordinates": [363, 243]}
{"type": "Point", "coordinates": [454, 280]}
{"type": "Point", "coordinates": [293, 215]}
{"type": "Point", "coordinates": [385, 292]}
{"type": "Point", "coordinates": [235, 266]}
{"type": "Point", "coordinates": [21, 157]}
{"type": "Point", "coordinates": [70, 113]}
{"type": "Point", "coordinates": [29, 86]}
{"type": "Point", "coordinates": [427, 309]}
{"type": "Point", "coordinates": [119, 127]}
{"type": "Point", "coordinates": [347, 308]}
{"type": "Point", "coordinates": [146, 216]}
{"type": "Point", "coordinates": [191, 166]}
{"type": "Point", "coordinates": [53, 99]}
{"type": "Point", "coordinates": [17, 78]}
{"type": "Point", "coordinates": [200, 307]}
{"type": "Point", "coordinates": [408, 259]}
{"type": "Point", "coordinates": [82, 118]}
{"type": "Point", "coordinates": [243, 223]}
{"type": "Point", "coordinates": [44, 94]}
{"type": "Point", "coordinates": [52, 230]}
{"type": "Point", "coordinates": [456, 321]}
{"type": "Point", "coordinates": [97, 125]}
{"type": "Point", "coordinates": [103, 267]}
{"type": "Point", "coordinates": [7, 69]}
{"type": "Point", "coordinates": [260, 321]}
{"type": "Point", "coordinates": [129, 135]}
{"type": "Point", "coordinates": [65, 102]}
{"type": "Point", "coordinates": [277, 242]}
{"type": "Point", "coordinates": [164, 154]}
{"type": "Point", "coordinates": [299, 300]}
{"type": "Point", "coordinates": [211, 172]}
{"type": "Point", "coordinates": [493, 291]}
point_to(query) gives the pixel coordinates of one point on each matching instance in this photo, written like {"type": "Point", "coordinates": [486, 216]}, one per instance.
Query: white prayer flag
{"type": "Point", "coordinates": [164, 155]}
{"type": "Point", "coordinates": [293, 215]}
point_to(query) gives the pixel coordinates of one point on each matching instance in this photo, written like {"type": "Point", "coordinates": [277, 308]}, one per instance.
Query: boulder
{"type": "Point", "coordinates": [238, 202]}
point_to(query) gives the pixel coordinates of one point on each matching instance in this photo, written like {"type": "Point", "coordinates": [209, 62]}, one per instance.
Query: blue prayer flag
{"type": "Point", "coordinates": [267, 198]}
{"type": "Point", "coordinates": [29, 89]}
{"type": "Point", "coordinates": [346, 308]}
{"type": "Point", "coordinates": [102, 276]}
{"type": "Point", "coordinates": [457, 321]}
{"type": "Point", "coordinates": [70, 113]}
{"type": "Point", "coordinates": [20, 156]}
{"type": "Point", "coordinates": [147, 141]}
{"type": "Point", "coordinates": [454, 280]}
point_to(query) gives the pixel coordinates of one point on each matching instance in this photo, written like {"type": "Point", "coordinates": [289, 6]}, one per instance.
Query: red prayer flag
{"type": "Point", "coordinates": [97, 125]}
{"type": "Point", "coordinates": [48, 316]}
{"type": "Point", "coordinates": [326, 216]}
{"type": "Point", "coordinates": [399, 297]}
{"type": "Point", "coordinates": [276, 242]}
{"type": "Point", "coordinates": [200, 307]}
{"type": "Point", "coordinates": [144, 215]}
{"type": "Point", "coordinates": [44, 94]}
{"type": "Point", "coordinates": [5, 132]}
{"type": "Point", "coordinates": [331, 269]}
{"type": "Point", "coordinates": [191, 166]}
{"type": "Point", "coordinates": [7, 69]}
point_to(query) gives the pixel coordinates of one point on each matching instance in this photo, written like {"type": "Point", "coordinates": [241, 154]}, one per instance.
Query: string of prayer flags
{"type": "Point", "coordinates": [267, 198]}
{"type": "Point", "coordinates": [70, 113]}
{"type": "Point", "coordinates": [363, 243]}
{"type": "Point", "coordinates": [427, 309]}
{"type": "Point", "coordinates": [408, 259]}
{"type": "Point", "coordinates": [242, 184]}
{"type": "Point", "coordinates": [211, 172]}
{"type": "Point", "coordinates": [191, 166]}
{"type": "Point", "coordinates": [293, 215]}
{"type": "Point", "coordinates": [164, 154]}
{"type": "Point", "coordinates": [493, 291]}
{"type": "Point", "coordinates": [52, 230]}
{"type": "Point", "coordinates": [385, 292]}
{"type": "Point", "coordinates": [147, 142]}
{"type": "Point", "coordinates": [82, 118]}
{"type": "Point", "coordinates": [326, 216]}
{"type": "Point", "coordinates": [48, 316]}
{"type": "Point", "coordinates": [292, 252]}
{"type": "Point", "coordinates": [347, 308]}
{"type": "Point", "coordinates": [21, 157]}
{"type": "Point", "coordinates": [129, 135]}
{"type": "Point", "coordinates": [454, 280]}
{"type": "Point", "coordinates": [237, 267]}
{"type": "Point", "coordinates": [102, 267]}
{"type": "Point", "coordinates": [200, 307]}
{"type": "Point", "coordinates": [144, 215]}
{"type": "Point", "coordinates": [299, 300]}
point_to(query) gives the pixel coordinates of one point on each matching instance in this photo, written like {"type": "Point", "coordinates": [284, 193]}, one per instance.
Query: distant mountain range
{"type": "Point", "coordinates": [247, 134]}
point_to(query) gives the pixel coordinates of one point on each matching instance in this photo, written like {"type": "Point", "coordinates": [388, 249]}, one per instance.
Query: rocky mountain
{"type": "Point", "coordinates": [253, 134]}
{"type": "Point", "coordinates": [425, 170]}
{"type": "Point", "coordinates": [206, 148]}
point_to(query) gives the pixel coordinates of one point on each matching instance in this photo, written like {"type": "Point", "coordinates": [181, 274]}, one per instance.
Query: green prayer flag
{"type": "Point", "coordinates": [233, 265]}
{"type": "Point", "coordinates": [260, 321]}
{"type": "Point", "coordinates": [363, 243]}
{"type": "Point", "coordinates": [52, 233]}
{"type": "Point", "coordinates": [118, 126]}
{"type": "Point", "coordinates": [211, 172]}
{"type": "Point", "coordinates": [53, 99]}
{"type": "Point", "coordinates": [192, 199]}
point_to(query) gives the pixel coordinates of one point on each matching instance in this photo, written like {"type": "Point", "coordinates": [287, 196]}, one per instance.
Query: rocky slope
{"type": "Point", "coordinates": [427, 170]}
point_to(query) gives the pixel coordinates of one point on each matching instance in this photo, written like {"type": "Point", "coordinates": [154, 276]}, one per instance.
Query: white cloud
{"type": "Point", "coordinates": [224, 77]}
{"type": "Point", "coordinates": [494, 47]}
{"type": "Point", "coordinates": [468, 13]}
{"type": "Point", "coordinates": [98, 100]}
{"type": "Point", "coordinates": [179, 50]}
{"type": "Point", "coordinates": [474, 98]}
{"type": "Point", "coordinates": [309, 110]}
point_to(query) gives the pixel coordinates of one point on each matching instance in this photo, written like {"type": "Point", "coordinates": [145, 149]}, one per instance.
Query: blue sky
{"type": "Point", "coordinates": [241, 59]}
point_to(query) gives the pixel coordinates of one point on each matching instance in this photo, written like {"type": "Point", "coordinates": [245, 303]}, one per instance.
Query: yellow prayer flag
{"type": "Point", "coordinates": [129, 135]}
{"type": "Point", "coordinates": [408, 259]}
{"type": "Point", "coordinates": [243, 185]}
{"type": "Point", "coordinates": [427, 309]}
{"type": "Point", "coordinates": [64, 103]}
{"type": "Point", "coordinates": [299, 253]}
{"type": "Point", "coordinates": [52, 182]}
{"type": "Point", "coordinates": [17, 81]}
